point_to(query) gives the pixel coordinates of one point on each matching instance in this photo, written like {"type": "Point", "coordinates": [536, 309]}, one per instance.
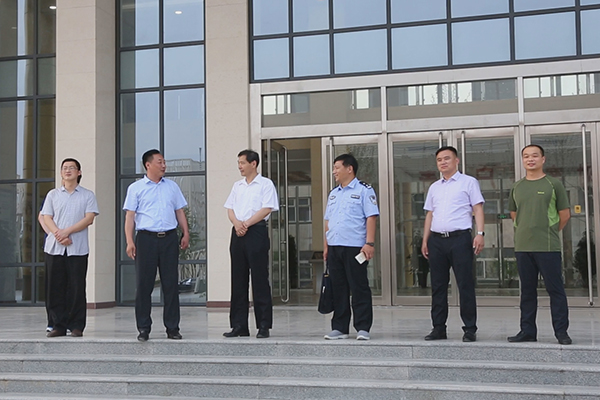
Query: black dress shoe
{"type": "Point", "coordinates": [174, 335]}
{"type": "Point", "coordinates": [521, 337]}
{"type": "Point", "coordinates": [437, 334]}
{"type": "Point", "coordinates": [143, 336]}
{"type": "Point", "coordinates": [237, 331]}
{"type": "Point", "coordinates": [263, 333]}
{"type": "Point", "coordinates": [564, 338]}
{"type": "Point", "coordinates": [76, 333]}
{"type": "Point", "coordinates": [469, 337]}
{"type": "Point", "coordinates": [56, 333]}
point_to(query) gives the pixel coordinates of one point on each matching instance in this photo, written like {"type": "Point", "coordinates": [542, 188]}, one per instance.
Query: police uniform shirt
{"type": "Point", "coordinates": [347, 211]}
{"type": "Point", "coordinates": [246, 199]}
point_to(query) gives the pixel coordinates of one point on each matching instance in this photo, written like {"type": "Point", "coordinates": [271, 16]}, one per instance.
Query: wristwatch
{"type": "Point", "coordinates": [372, 244]}
{"type": "Point", "coordinates": [481, 233]}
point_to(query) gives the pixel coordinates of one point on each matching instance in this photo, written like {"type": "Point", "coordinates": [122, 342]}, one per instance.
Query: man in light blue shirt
{"type": "Point", "coordinates": [154, 207]}
{"type": "Point", "coordinates": [350, 225]}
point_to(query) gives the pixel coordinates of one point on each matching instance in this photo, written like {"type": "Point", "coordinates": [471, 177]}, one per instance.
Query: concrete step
{"type": "Point", "coordinates": [37, 396]}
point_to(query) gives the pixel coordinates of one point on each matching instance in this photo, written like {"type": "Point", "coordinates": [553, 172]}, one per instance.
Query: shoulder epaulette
{"type": "Point", "coordinates": [365, 184]}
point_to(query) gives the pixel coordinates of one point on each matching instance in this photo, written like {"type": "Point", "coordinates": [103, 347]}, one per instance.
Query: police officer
{"type": "Point", "coordinates": [350, 223]}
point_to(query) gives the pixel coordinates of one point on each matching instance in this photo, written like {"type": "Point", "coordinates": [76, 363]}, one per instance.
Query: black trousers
{"type": "Point", "coordinates": [66, 298]}
{"type": "Point", "coordinates": [153, 252]}
{"type": "Point", "coordinates": [349, 277]}
{"type": "Point", "coordinates": [250, 260]}
{"type": "Point", "coordinates": [456, 252]}
{"type": "Point", "coordinates": [531, 264]}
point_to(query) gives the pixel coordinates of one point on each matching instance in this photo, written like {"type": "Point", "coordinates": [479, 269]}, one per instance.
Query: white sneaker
{"type": "Point", "coordinates": [48, 329]}
{"type": "Point", "coordinates": [335, 334]}
{"type": "Point", "coordinates": [363, 335]}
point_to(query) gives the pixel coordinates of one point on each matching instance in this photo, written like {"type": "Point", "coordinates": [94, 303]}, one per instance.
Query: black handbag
{"type": "Point", "coordinates": [326, 296]}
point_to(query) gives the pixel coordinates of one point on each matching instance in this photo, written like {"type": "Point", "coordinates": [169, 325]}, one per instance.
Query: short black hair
{"type": "Point", "coordinates": [250, 155]}
{"type": "Point", "coordinates": [347, 159]}
{"type": "Point", "coordinates": [533, 145]}
{"type": "Point", "coordinates": [444, 148]}
{"type": "Point", "coordinates": [76, 163]}
{"type": "Point", "coordinates": [148, 156]}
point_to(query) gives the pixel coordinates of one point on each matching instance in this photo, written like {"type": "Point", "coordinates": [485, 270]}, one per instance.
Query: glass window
{"type": "Point", "coordinates": [17, 28]}
{"type": "Point", "coordinates": [311, 55]}
{"type": "Point", "coordinates": [46, 137]}
{"type": "Point", "coordinates": [46, 76]}
{"type": "Point", "coordinates": [183, 20]}
{"type": "Point", "coordinates": [140, 127]}
{"type": "Point", "coordinates": [184, 65]}
{"type": "Point", "coordinates": [269, 17]}
{"type": "Point", "coordinates": [184, 130]}
{"type": "Point", "coordinates": [419, 46]}
{"type": "Point", "coordinates": [16, 282]}
{"type": "Point", "coordinates": [466, 8]}
{"type": "Point", "coordinates": [16, 137]}
{"type": "Point", "coordinates": [271, 59]}
{"type": "Point", "coordinates": [360, 51]}
{"type": "Point", "coordinates": [46, 26]}
{"type": "Point", "coordinates": [588, 2]}
{"type": "Point", "coordinates": [16, 78]}
{"type": "Point", "coordinates": [526, 5]}
{"type": "Point", "coordinates": [349, 13]}
{"type": "Point", "coordinates": [194, 190]}
{"type": "Point", "coordinates": [590, 32]}
{"type": "Point", "coordinates": [548, 35]}
{"type": "Point", "coordinates": [139, 22]}
{"type": "Point", "coordinates": [481, 41]}
{"type": "Point", "coordinates": [139, 69]}
{"type": "Point", "coordinates": [310, 15]}
{"type": "Point", "coordinates": [410, 10]}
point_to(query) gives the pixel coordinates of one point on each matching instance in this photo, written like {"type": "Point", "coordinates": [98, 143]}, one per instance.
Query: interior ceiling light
{"type": "Point", "coordinates": [52, 7]}
{"type": "Point", "coordinates": [178, 12]}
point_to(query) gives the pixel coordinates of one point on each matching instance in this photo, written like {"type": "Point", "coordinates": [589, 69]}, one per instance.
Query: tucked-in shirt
{"type": "Point", "coordinates": [537, 203]}
{"type": "Point", "coordinates": [154, 204]}
{"type": "Point", "coordinates": [66, 210]}
{"type": "Point", "coordinates": [452, 201]}
{"type": "Point", "coordinates": [347, 211]}
{"type": "Point", "coordinates": [246, 199]}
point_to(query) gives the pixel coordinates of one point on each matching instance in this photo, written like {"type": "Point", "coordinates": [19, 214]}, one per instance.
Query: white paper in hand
{"type": "Point", "coordinates": [361, 258]}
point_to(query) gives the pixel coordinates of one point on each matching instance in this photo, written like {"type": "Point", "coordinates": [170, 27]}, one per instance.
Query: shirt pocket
{"type": "Point", "coordinates": [355, 207]}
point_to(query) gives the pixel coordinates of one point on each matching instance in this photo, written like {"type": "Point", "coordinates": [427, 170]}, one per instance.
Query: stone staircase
{"type": "Point", "coordinates": [70, 368]}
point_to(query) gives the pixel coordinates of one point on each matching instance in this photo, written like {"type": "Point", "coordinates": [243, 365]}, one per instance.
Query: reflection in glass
{"type": "Point", "coordinates": [46, 27]}
{"type": "Point", "coordinates": [140, 127]}
{"type": "Point", "coordinates": [563, 85]}
{"type": "Point", "coordinates": [127, 284]}
{"type": "Point", "coordinates": [350, 13]}
{"type": "Point", "coordinates": [183, 20]}
{"type": "Point", "coordinates": [16, 140]}
{"type": "Point", "coordinates": [548, 35]}
{"type": "Point", "coordinates": [269, 16]}
{"type": "Point", "coordinates": [310, 15]}
{"type": "Point", "coordinates": [46, 142]}
{"type": "Point", "coordinates": [194, 191]}
{"type": "Point", "coordinates": [15, 285]}
{"type": "Point", "coordinates": [184, 65]}
{"type": "Point", "coordinates": [480, 41]}
{"type": "Point", "coordinates": [192, 283]}
{"type": "Point", "coordinates": [588, 2]}
{"type": "Point", "coordinates": [311, 55]}
{"type": "Point", "coordinates": [360, 51]}
{"type": "Point", "coordinates": [184, 130]}
{"type": "Point", "coordinates": [42, 190]}
{"type": "Point", "coordinates": [16, 78]}
{"type": "Point", "coordinates": [467, 8]}
{"type": "Point", "coordinates": [286, 104]}
{"type": "Point", "coordinates": [17, 28]}
{"type": "Point", "coordinates": [271, 59]}
{"type": "Point", "coordinates": [526, 5]}
{"type": "Point", "coordinates": [15, 222]}
{"type": "Point", "coordinates": [46, 76]}
{"type": "Point", "coordinates": [419, 46]}
{"type": "Point", "coordinates": [124, 184]}
{"type": "Point", "coordinates": [590, 32]}
{"type": "Point", "coordinates": [139, 22]}
{"type": "Point", "coordinates": [409, 11]}
{"type": "Point", "coordinates": [139, 69]}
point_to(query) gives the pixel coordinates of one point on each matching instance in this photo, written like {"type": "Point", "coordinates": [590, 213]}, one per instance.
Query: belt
{"type": "Point", "coordinates": [450, 234]}
{"type": "Point", "coordinates": [158, 234]}
{"type": "Point", "coordinates": [261, 223]}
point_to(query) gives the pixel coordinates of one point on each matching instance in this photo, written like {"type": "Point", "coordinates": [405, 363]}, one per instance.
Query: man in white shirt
{"type": "Point", "coordinates": [249, 205]}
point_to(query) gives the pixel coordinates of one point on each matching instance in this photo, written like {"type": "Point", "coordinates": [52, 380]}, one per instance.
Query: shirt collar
{"type": "Point", "coordinates": [454, 177]}
{"type": "Point", "coordinates": [351, 185]}
{"type": "Point", "coordinates": [256, 179]}
{"type": "Point", "coordinates": [63, 189]}
{"type": "Point", "coordinates": [148, 180]}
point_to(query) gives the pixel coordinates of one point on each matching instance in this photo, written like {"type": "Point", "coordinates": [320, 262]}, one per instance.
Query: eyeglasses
{"type": "Point", "coordinates": [69, 168]}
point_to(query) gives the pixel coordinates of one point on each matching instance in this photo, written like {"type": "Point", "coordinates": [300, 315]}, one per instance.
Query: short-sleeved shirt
{"type": "Point", "coordinates": [66, 210]}
{"type": "Point", "coordinates": [347, 211]}
{"type": "Point", "coordinates": [537, 203]}
{"type": "Point", "coordinates": [154, 204]}
{"type": "Point", "coordinates": [246, 199]}
{"type": "Point", "coordinates": [451, 202]}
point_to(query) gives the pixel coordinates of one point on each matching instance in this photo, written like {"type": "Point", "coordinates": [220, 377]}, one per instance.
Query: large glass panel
{"type": "Point", "coordinates": [183, 20]}
{"type": "Point", "coordinates": [17, 28]}
{"type": "Point", "coordinates": [184, 65]}
{"type": "Point", "coordinates": [140, 127]}
{"type": "Point", "coordinates": [419, 46]}
{"type": "Point", "coordinates": [42, 190]}
{"type": "Point", "coordinates": [588, 2]}
{"type": "Point", "coordinates": [46, 140]}
{"type": "Point", "coordinates": [121, 214]}
{"type": "Point", "coordinates": [192, 283]}
{"type": "Point", "coordinates": [16, 140]}
{"type": "Point", "coordinates": [590, 32]}
{"type": "Point", "coordinates": [466, 8]}
{"type": "Point", "coordinates": [46, 26]}
{"type": "Point", "coordinates": [15, 284]}
{"type": "Point", "coordinates": [139, 69]}
{"type": "Point", "coordinates": [548, 35]}
{"type": "Point", "coordinates": [310, 15]}
{"type": "Point", "coordinates": [139, 22]}
{"type": "Point", "coordinates": [526, 5]}
{"type": "Point", "coordinates": [16, 78]}
{"type": "Point", "coordinates": [15, 222]}
{"type": "Point", "coordinates": [481, 41]}
{"type": "Point", "coordinates": [269, 17]}
{"type": "Point", "coordinates": [184, 130]}
{"type": "Point", "coordinates": [271, 59]}
{"type": "Point", "coordinates": [46, 76]}
{"type": "Point", "coordinates": [127, 284]}
{"type": "Point", "coordinates": [194, 191]}
{"type": "Point", "coordinates": [349, 13]}
{"type": "Point", "coordinates": [311, 55]}
{"type": "Point", "coordinates": [360, 51]}
{"type": "Point", "coordinates": [409, 10]}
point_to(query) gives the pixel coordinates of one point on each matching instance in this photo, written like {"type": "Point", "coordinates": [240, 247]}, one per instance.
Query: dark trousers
{"type": "Point", "coordinates": [531, 264]}
{"type": "Point", "coordinates": [250, 260]}
{"type": "Point", "coordinates": [349, 277]}
{"type": "Point", "coordinates": [455, 252]}
{"type": "Point", "coordinates": [66, 298]}
{"type": "Point", "coordinates": [151, 253]}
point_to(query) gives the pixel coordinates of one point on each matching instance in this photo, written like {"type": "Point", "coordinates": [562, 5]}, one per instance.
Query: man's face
{"type": "Point", "coordinates": [156, 166]}
{"type": "Point", "coordinates": [447, 161]}
{"type": "Point", "coordinates": [245, 167]}
{"type": "Point", "coordinates": [341, 172]}
{"type": "Point", "coordinates": [533, 159]}
{"type": "Point", "coordinates": [69, 171]}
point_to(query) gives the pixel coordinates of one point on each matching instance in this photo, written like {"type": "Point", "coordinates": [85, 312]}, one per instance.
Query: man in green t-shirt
{"type": "Point", "coordinates": [539, 207]}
